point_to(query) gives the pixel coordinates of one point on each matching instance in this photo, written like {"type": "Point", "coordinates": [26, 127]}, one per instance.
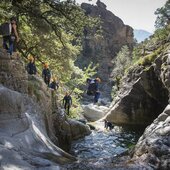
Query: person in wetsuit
{"type": "Point", "coordinates": [67, 102]}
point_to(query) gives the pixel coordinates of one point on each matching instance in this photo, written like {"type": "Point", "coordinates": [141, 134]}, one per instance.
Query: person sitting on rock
{"type": "Point", "coordinates": [10, 35]}
{"type": "Point", "coordinates": [46, 74]}
{"type": "Point", "coordinates": [31, 68]}
{"type": "Point", "coordinates": [54, 84]}
{"type": "Point", "coordinates": [67, 102]}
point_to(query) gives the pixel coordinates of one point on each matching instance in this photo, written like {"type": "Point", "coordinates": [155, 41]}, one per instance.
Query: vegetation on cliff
{"type": "Point", "coordinates": [51, 31]}
{"type": "Point", "coordinates": [144, 53]}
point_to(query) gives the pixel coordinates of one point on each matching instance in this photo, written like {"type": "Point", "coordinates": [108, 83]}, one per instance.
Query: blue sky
{"type": "Point", "coordinates": [139, 14]}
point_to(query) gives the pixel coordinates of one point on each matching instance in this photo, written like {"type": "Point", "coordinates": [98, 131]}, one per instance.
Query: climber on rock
{"type": "Point", "coordinates": [54, 84]}
{"type": "Point", "coordinates": [97, 92]}
{"type": "Point", "coordinates": [93, 88]}
{"type": "Point", "coordinates": [67, 102]}
{"type": "Point", "coordinates": [46, 74]}
{"type": "Point", "coordinates": [10, 35]}
{"type": "Point", "coordinates": [31, 68]}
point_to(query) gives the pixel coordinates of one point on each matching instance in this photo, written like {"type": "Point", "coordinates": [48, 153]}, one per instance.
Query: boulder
{"type": "Point", "coordinates": [78, 129]}
{"type": "Point", "coordinates": [93, 112]}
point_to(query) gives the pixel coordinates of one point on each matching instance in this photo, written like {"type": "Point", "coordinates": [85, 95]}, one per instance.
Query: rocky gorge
{"type": "Point", "coordinates": [35, 132]}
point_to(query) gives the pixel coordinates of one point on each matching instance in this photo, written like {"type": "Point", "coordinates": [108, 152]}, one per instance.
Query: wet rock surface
{"type": "Point", "coordinates": [153, 147]}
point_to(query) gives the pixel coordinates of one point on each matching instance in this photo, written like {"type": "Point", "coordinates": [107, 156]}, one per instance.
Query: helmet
{"type": "Point", "coordinates": [30, 58]}
{"type": "Point", "coordinates": [45, 65]}
{"type": "Point", "coordinates": [54, 78]}
{"type": "Point", "coordinates": [98, 79]}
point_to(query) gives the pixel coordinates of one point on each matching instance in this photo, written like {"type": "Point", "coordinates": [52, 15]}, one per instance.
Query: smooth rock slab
{"type": "Point", "coordinates": [93, 112]}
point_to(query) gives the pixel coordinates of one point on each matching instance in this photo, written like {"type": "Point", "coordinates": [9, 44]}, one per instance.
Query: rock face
{"type": "Point", "coordinates": [23, 134]}
{"type": "Point", "coordinates": [142, 98]}
{"type": "Point", "coordinates": [153, 148]}
{"type": "Point", "coordinates": [102, 49]}
{"type": "Point", "coordinates": [12, 75]}
{"type": "Point", "coordinates": [144, 93]}
{"type": "Point", "coordinates": [30, 135]}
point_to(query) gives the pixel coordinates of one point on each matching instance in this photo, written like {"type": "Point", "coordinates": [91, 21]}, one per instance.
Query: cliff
{"type": "Point", "coordinates": [101, 49]}
{"type": "Point", "coordinates": [143, 99]}
{"type": "Point", "coordinates": [33, 127]}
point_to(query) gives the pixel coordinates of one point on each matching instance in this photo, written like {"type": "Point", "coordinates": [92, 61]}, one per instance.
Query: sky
{"type": "Point", "coordinates": [139, 14]}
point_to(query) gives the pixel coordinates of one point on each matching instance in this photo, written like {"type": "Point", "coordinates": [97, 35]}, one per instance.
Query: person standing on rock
{"type": "Point", "coordinates": [67, 102]}
{"type": "Point", "coordinates": [31, 68]}
{"type": "Point", "coordinates": [10, 35]}
{"type": "Point", "coordinates": [97, 92]}
{"type": "Point", "coordinates": [46, 74]}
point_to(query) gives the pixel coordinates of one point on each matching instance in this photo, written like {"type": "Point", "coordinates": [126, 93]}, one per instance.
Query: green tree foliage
{"type": "Point", "coordinates": [121, 62]}
{"type": "Point", "coordinates": [163, 15]}
{"type": "Point", "coordinates": [49, 29]}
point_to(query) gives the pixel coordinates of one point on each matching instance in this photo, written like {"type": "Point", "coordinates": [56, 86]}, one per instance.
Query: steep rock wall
{"type": "Point", "coordinates": [153, 148]}
{"type": "Point", "coordinates": [143, 94]}
{"type": "Point", "coordinates": [139, 101]}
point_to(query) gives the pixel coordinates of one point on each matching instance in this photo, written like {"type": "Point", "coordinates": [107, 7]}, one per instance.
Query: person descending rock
{"type": "Point", "coordinates": [97, 92]}
{"type": "Point", "coordinates": [46, 74]}
{"type": "Point", "coordinates": [67, 102]}
{"type": "Point", "coordinates": [54, 84]}
{"type": "Point", "coordinates": [10, 35]}
{"type": "Point", "coordinates": [93, 88]}
{"type": "Point", "coordinates": [31, 68]}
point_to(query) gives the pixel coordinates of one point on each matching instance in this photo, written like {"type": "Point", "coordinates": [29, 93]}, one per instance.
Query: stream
{"type": "Point", "coordinates": [102, 147]}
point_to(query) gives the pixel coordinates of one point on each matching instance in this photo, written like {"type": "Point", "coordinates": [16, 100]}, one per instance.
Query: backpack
{"type": "Point", "coordinates": [5, 29]}
{"type": "Point", "coordinates": [91, 88]}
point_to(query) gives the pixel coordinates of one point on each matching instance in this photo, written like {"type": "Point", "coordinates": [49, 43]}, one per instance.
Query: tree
{"type": "Point", "coordinates": [48, 29]}
{"type": "Point", "coordinates": [51, 31]}
{"type": "Point", "coordinates": [163, 15]}
{"type": "Point", "coordinates": [121, 62]}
